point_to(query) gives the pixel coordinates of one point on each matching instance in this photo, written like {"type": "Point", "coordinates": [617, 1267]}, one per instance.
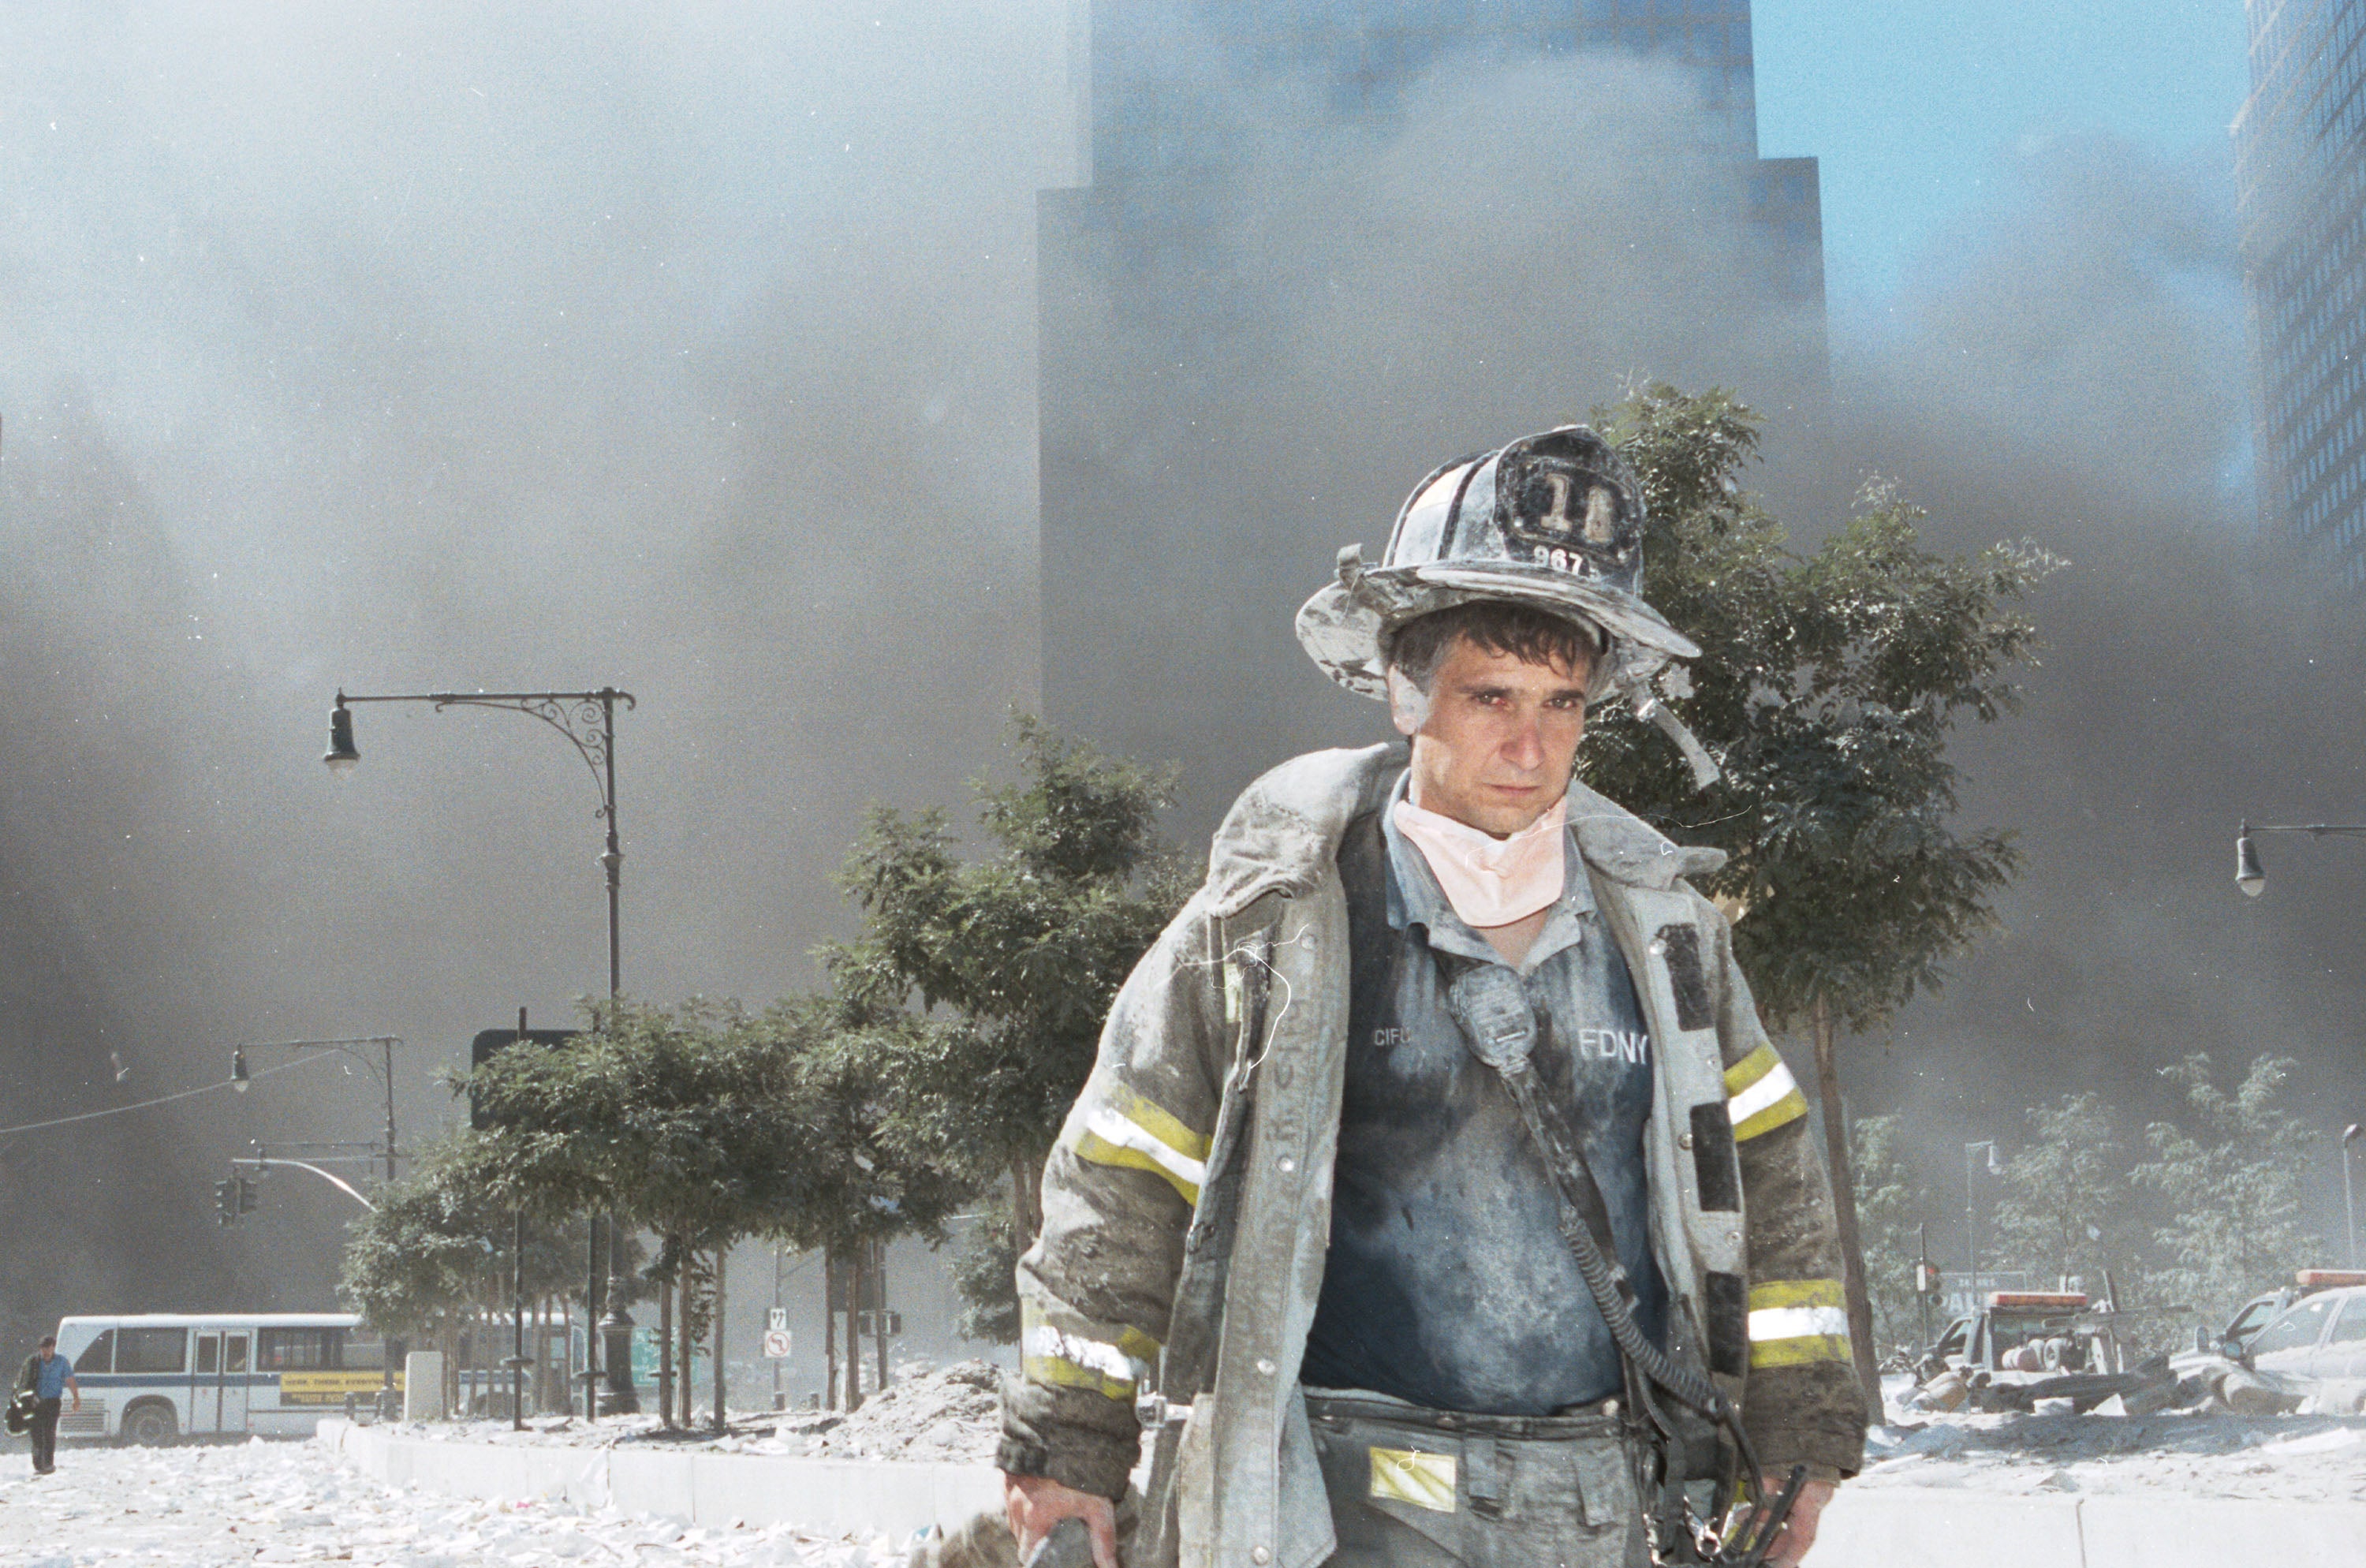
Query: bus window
{"type": "Point", "coordinates": [364, 1351]}
{"type": "Point", "coordinates": [234, 1357]}
{"type": "Point", "coordinates": [99, 1355]}
{"type": "Point", "coordinates": [152, 1350]}
{"type": "Point", "coordinates": [296, 1350]}
{"type": "Point", "coordinates": [208, 1353]}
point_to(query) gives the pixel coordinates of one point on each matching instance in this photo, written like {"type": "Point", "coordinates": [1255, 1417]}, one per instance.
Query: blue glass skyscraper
{"type": "Point", "coordinates": [2300, 163]}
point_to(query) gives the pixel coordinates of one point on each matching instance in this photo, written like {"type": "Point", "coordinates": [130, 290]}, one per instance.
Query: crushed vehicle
{"type": "Point", "coordinates": [2305, 1343]}
{"type": "Point", "coordinates": [2027, 1345]}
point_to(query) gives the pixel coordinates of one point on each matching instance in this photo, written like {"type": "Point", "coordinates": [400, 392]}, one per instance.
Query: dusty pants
{"type": "Point", "coordinates": [1413, 1488]}
{"type": "Point", "coordinates": [45, 1434]}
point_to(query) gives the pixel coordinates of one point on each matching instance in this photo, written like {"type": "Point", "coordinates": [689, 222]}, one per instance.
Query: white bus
{"type": "Point", "coordinates": [161, 1376]}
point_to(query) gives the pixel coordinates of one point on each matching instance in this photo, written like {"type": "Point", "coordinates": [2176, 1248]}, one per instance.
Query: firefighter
{"type": "Point", "coordinates": [1437, 1196]}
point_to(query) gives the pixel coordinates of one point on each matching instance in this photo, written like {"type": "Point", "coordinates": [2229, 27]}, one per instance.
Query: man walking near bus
{"type": "Point", "coordinates": [49, 1377]}
{"type": "Point", "coordinates": [1435, 1164]}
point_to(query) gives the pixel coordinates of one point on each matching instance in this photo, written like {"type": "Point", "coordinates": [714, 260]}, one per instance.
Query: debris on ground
{"type": "Point", "coordinates": [2317, 1459]}
{"type": "Point", "coordinates": [218, 1505]}
{"type": "Point", "coordinates": [953, 1415]}
{"type": "Point", "coordinates": [948, 1415]}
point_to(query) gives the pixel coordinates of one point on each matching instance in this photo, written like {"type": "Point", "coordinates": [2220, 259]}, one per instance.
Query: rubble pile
{"type": "Point", "coordinates": [2291, 1458]}
{"type": "Point", "coordinates": [950, 1415]}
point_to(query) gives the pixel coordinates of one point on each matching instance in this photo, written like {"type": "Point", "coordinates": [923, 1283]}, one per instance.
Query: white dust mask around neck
{"type": "Point", "coordinates": [1490, 881]}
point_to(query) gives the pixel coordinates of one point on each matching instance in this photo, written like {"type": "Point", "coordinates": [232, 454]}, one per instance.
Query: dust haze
{"type": "Point", "coordinates": [688, 350]}
{"type": "Point", "coordinates": [454, 346]}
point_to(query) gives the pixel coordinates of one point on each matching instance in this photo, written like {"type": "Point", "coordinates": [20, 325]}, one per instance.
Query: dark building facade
{"type": "Point", "coordinates": [1324, 245]}
{"type": "Point", "coordinates": [2300, 161]}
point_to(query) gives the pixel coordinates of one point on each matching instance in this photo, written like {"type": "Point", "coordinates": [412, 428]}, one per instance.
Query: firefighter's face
{"type": "Point", "coordinates": [1495, 743]}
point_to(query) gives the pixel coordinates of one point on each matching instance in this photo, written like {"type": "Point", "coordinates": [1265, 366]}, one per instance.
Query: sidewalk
{"type": "Point", "coordinates": [1865, 1527]}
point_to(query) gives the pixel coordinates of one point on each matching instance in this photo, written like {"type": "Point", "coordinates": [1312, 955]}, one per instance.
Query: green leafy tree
{"type": "Point", "coordinates": [1889, 1212]}
{"type": "Point", "coordinates": [2063, 1204]}
{"type": "Point", "coordinates": [869, 1178]}
{"type": "Point", "coordinates": [1015, 957]}
{"type": "Point", "coordinates": [423, 1260]}
{"type": "Point", "coordinates": [435, 1258]}
{"type": "Point", "coordinates": [1828, 684]}
{"type": "Point", "coordinates": [683, 1120]}
{"type": "Point", "coordinates": [2229, 1178]}
{"type": "Point", "coordinates": [984, 1270]}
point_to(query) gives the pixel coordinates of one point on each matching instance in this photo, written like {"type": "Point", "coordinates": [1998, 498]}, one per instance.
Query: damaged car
{"type": "Point", "coordinates": [2024, 1346]}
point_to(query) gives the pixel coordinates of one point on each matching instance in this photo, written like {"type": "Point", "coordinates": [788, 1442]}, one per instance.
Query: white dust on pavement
{"type": "Point", "coordinates": [2288, 1459]}
{"type": "Point", "coordinates": [288, 1502]}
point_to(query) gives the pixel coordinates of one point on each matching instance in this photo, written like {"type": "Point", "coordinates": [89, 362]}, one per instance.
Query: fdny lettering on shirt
{"type": "Point", "coordinates": [1615, 1046]}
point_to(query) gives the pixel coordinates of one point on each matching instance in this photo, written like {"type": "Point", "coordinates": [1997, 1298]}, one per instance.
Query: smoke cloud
{"type": "Point", "coordinates": [409, 349]}
{"type": "Point", "coordinates": [694, 351]}
{"type": "Point", "coordinates": [2072, 368]}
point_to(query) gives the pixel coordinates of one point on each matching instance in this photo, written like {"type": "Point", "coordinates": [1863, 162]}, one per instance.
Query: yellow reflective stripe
{"type": "Point", "coordinates": [1795, 1323]}
{"type": "Point", "coordinates": [1760, 1094]}
{"type": "Point", "coordinates": [1798, 1293]}
{"type": "Point", "coordinates": [1409, 1475]}
{"type": "Point", "coordinates": [1805, 1350]}
{"type": "Point", "coordinates": [1068, 1359]}
{"type": "Point", "coordinates": [1132, 1133]}
{"type": "Point", "coordinates": [1751, 1068]}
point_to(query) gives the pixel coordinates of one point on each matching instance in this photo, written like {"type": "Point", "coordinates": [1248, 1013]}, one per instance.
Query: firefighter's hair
{"type": "Point", "coordinates": [1528, 634]}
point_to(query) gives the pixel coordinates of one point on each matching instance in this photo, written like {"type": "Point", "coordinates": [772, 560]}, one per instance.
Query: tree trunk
{"type": "Point", "coordinates": [853, 1323]}
{"type": "Point", "coordinates": [1836, 1156]}
{"type": "Point", "coordinates": [1027, 1199]}
{"type": "Point", "coordinates": [879, 1319]}
{"type": "Point", "coordinates": [722, 1413]}
{"type": "Point", "coordinates": [682, 1342]}
{"type": "Point", "coordinates": [665, 1353]}
{"type": "Point", "coordinates": [828, 1328]}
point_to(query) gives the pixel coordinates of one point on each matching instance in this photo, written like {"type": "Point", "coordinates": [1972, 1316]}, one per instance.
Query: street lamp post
{"type": "Point", "coordinates": [588, 720]}
{"type": "Point", "coordinates": [2251, 872]}
{"type": "Point", "coordinates": [2348, 1198]}
{"type": "Point", "coordinates": [381, 1069]}
{"type": "Point", "coordinates": [1971, 1217]}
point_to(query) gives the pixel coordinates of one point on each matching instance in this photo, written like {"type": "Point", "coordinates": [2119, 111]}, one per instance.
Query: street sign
{"type": "Point", "coordinates": [777, 1320]}
{"type": "Point", "coordinates": [778, 1342]}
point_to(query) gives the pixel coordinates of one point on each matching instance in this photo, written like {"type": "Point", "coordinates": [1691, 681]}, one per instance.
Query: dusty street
{"type": "Point", "coordinates": [200, 1507]}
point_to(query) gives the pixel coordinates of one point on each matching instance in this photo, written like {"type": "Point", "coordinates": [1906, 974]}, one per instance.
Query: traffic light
{"type": "Point", "coordinates": [245, 1195]}
{"type": "Point", "coordinates": [225, 1200]}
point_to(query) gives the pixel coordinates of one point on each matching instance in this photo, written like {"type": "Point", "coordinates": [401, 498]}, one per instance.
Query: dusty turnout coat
{"type": "Point", "coordinates": [1186, 1204]}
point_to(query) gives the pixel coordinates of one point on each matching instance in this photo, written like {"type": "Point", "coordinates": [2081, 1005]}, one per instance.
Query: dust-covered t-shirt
{"type": "Point", "coordinates": [1448, 1282]}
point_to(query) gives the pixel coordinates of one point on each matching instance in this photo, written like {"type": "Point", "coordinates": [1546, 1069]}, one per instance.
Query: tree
{"type": "Point", "coordinates": [2063, 1205]}
{"type": "Point", "coordinates": [1827, 688]}
{"type": "Point", "coordinates": [1023, 951]}
{"type": "Point", "coordinates": [684, 1121]}
{"type": "Point", "coordinates": [1891, 1220]}
{"type": "Point", "coordinates": [2231, 1182]}
{"type": "Point", "coordinates": [421, 1261]}
{"type": "Point", "coordinates": [434, 1259]}
{"type": "Point", "coordinates": [870, 1179]}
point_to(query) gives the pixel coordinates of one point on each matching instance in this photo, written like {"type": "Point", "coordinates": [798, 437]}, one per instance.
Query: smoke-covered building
{"type": "Point", "coordinates": [1318, 246]}
{"type": "Point", "coordinates": [2299, 162]}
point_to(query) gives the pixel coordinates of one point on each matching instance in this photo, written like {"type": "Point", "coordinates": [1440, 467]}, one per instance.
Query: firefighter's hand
{"type": "Point", "coordinates": [1798, 1531]}
{"type": "Point", "coordinates": [1036, 1503]}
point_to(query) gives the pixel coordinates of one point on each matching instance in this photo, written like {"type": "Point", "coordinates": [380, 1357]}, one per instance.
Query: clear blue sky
{"type": "Point", "coordinates": [1912, 105]}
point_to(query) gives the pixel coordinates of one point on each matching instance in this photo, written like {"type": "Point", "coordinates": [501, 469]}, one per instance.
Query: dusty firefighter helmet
{"type": "Point", "coordinates": [1553, 520]}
